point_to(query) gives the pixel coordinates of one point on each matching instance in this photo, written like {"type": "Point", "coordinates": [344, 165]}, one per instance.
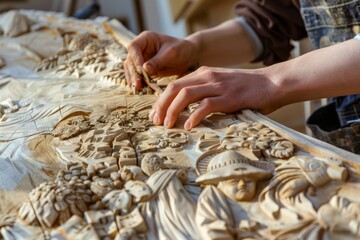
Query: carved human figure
{"type": "Point", "coordinates": [339, 218]}
{"type": "Point", "coordinates": [288, 196]}
{"type": "Point", "coordinates": [230, 179]}
{"type": "Point", "coordinates": [162, 214]}
{"type": "Point", "coordinates": [151, 163]}
{"type": "Point", "coordinates": [235, 175]}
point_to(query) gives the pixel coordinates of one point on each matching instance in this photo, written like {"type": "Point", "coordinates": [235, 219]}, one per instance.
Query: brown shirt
{"type": "Point", "coordinates": [276, 22]}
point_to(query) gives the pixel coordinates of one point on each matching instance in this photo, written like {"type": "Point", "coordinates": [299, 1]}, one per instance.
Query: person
{"type": "Point", "coordinates": [262, 32]}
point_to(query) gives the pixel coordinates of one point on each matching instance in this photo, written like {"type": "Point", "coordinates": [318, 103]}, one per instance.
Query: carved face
{"type": "Point", "coordinates": [238, 189]}
{"type": "Point", "coordinates": [152, 163]}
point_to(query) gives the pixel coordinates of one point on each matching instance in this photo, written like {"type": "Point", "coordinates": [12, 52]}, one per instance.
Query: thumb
{"type": "Point", "coordinates": [155, 65]}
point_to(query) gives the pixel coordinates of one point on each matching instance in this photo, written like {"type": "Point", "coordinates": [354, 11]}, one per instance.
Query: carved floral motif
{"type": "Point", "coordinates": [121, 177]}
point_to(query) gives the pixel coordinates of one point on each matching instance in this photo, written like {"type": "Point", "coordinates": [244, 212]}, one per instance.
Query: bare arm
{"type": "Point", "coordinates": [329, 72]}
{"type": "Point", "coordinates": [224, 45]}
{"type": "Point", "coordinates": [162, 55]}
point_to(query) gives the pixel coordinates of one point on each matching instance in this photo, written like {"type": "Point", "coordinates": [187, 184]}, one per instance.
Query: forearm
{"type": "Point", "coordinates": [224, 45]}
{"type": "Point", "coordinates": [328, 72]}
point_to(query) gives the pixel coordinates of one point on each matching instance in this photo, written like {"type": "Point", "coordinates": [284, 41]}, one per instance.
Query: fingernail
{"type": "Point", "coordinates": [167, 123]}
{"type": "Point", "coordinates": [156, 119]}
{"type": "Point", "coordinates": [187, 125]}
{"type": "Point", "coordinates": [151, 114]}
{"type": "Point", "coordinates": [138, 69]}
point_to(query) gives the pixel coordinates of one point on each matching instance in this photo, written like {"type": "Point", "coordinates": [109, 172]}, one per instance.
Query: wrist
{"type": "Point", "coordinates": [196, 42]}
{"type": "Point", "coordinates": [286, 87]}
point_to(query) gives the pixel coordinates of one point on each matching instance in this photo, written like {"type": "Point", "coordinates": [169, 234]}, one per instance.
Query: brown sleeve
{"type": "Point", "coordinates": [276, 22]}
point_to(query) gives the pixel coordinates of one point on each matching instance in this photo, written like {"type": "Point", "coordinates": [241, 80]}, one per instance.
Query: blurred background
{"type": "Point", "coordinates": [177, 18]}
{"type": "Point", "coordinates": [137, 15]}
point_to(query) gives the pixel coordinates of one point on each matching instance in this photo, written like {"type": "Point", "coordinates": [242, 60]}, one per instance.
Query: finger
{"type": "Point", "coordinates": [136, 57]}
{"type": "Point", "coordinates": [185, 97]}
{"type": "Point", "coordinates": [207, 106]}
{"type": "Point", "coordinates": [135, 50]}
{"type": "Point", "coordinates": [159, 62]}
{"type": "Point", "coordinates": [135, 77]}
{"type": "Point", "coordinates": [161, 105]}
{"type": "Point", "coordinates": [170, 93]}
{"type": "Point", "coordinates": [165, 62]}
{"type": "Point", "coordinates": [127, 74]}
{"type": "Point", "coordinates": [150, 69]}
{"type": "Point", "coordinates": [151, 114]}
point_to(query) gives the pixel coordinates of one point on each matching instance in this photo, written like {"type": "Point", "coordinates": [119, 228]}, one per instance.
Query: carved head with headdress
{"type": "Point", "coordinates": [234, 174]}
{"type": "Point", "coordinates": [301, 172]}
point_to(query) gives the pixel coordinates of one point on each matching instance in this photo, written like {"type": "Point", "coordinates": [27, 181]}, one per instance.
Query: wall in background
{"type": "Point", "coordinates": [119, 9]}
{"type": "Point", "coordinates": [28, 4]}
{"type": "Point", "coordinates": [157, 17]}
{"type": "Point", "coordinates": [156, 13]}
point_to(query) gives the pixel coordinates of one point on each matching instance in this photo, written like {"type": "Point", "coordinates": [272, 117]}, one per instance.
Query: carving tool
{"type": "Point", "coordinates": [151, 83]}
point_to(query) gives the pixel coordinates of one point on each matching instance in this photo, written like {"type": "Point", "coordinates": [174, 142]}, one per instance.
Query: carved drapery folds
{"type": "Point", "coordinates": [80, 158]}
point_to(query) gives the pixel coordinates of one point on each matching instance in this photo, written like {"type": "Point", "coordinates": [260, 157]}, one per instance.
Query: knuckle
{"type": "Point", "coordinates": [132, 45]}
{"type": "Point", "coordinates": [158, 107]}
{"type": "Point", "coordinates": [207, 104]}
{"type": "Point", "coordinates": [186, 93]}
{"type": "Point", "coordinates": [208, 72]}
{"type": "Point", "coordinates": [172, 111]}
{"type": "Point", "coordinates": [172, 87]}
{"type": "Point", "coordinates": [203, 69]}
{"type": "Point", "coordinates": [146, 33]}
{"type": "Point", "coordinates": [211, 74]}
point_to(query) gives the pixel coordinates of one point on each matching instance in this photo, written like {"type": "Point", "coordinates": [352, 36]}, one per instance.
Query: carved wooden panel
{"type": "Point", "coordinates": [81, 160]}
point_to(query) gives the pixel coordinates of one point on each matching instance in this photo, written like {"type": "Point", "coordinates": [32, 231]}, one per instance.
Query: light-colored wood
{"type": "Point", "coordinates": [80, 159]}
{"type": "Point", "coordinates": [119, 32]}
{"type": "Point", "coordinates": [14, 23]}
{"type": "Point", "coordinates": [309, 144]}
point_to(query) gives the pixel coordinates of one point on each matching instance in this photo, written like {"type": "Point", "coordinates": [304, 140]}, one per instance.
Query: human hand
{"type": "Point", "coordinates": [219, 90]}
{"type": "Point", "coordinates": [159, 55]}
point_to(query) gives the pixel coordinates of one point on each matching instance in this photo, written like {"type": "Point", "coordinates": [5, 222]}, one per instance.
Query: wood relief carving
{"type": "Point", "coordinates": [260, 139]}
{"type": "Point", "coordinates": [72, 127]}
{"type": "Point", "coordinates": [74, 228]}
{"type": "Point", "coordinates": [14, 23]}
{"type": "Point", "coordinates": [296, 179]}
{"type": "Point", "coordinates": [115, 75]}
{"type": "Point", "coordinates": [235, 175]}
{"type": "Point", "coordinates": [53, 203]}
{"type": "Point", "coordinates": [161, 141]}
{"type": "Point", "coordinates": [81, 160]}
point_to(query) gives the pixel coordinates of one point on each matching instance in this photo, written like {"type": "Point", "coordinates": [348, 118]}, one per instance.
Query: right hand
{"type": "Point", "coordinates": [218, 90]}
{"type": "Point", "coordinates": [159, 55]}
